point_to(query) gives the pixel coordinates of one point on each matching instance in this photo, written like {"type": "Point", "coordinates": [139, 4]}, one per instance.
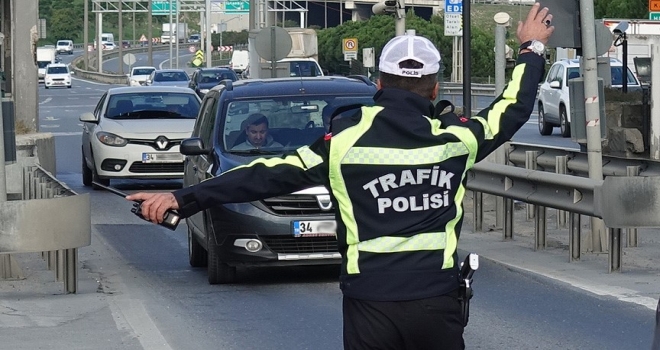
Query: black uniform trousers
{"type": "Point", "coordinates": [424, 324]}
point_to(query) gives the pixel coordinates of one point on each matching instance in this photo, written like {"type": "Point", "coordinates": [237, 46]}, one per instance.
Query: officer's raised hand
{"type": "Point", "coordinates": [537, 26]}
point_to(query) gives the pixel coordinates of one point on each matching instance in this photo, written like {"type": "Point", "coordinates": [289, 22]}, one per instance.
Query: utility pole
{"type": "Point", "coordinates": [171, 34]}
{"type": "Point", "coordinates": [400, 18]}
{"type": "Point", "coordinates": [467, 59]}
{"type": "Point", "coordinates": [150, 47]}
{"type": "Point", "coordinates": [503, 21]}
{"type": "Point", "coordinates": [208, 55]}
{"type": "Point", "coordinates": [120, 21]}
{"type": "Point", "coordinates": [592, 111]}
{"type": "Point", "coordinates": [86, 34]}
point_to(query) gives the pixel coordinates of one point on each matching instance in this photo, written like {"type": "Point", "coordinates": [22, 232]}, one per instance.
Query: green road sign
{"type": "Point", "coordinates": [160, 8]}
{"type": "Point", "coordinates": [237, 6]}
{"type": "Point", "coordinates": [655, 16]}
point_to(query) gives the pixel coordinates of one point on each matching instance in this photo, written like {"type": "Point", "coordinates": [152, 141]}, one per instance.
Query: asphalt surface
{"type": "Point", "coordinates": [34, 310]}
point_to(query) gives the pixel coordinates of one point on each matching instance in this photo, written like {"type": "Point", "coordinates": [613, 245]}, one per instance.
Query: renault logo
{"type": "Point", "coordinates": [324, 201]}
{"type": "Point", "coordinates": [162, 142]}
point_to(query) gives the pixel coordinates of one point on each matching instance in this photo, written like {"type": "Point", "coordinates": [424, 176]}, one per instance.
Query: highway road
{"type": "Point", "coordinates": [298, 308]}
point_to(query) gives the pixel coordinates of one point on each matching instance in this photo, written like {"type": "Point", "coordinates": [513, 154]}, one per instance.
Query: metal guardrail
{"type": "Point", "coordinates": [109, 78]}
{"type": "Point", "coordinates": [63, 225]}
{"type": "Point", "coordinates": [613, 200]}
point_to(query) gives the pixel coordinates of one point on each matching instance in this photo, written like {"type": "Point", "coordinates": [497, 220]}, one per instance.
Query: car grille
{"type": "Point", "coordinates": [149, 168]}
{"type": "Point", "coordinates": [299, 245]}
{"type": "Point", "coordinates": [152, 143]}
{"type": "Point", "coordinates": [58, 79]}
{"type": "Point", "coordinates": [295, 204]}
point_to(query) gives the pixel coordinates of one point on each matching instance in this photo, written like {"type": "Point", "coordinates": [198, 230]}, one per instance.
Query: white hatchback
{"type": "Point", "coordinates": [135, 133]}
{"type": "Point", "coordinates": [554, 105]}
{"type": "Point", "coordinates": [57, 75]}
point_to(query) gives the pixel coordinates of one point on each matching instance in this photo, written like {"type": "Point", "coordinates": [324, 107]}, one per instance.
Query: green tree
{"type": "Point", "coordinates": [62, 27]}
{"type": "Point", "coordinates": [632, 9]}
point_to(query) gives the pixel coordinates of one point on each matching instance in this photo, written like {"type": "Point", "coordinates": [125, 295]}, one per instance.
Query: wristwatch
{"type": "Point", "coordinates": [534, 46]}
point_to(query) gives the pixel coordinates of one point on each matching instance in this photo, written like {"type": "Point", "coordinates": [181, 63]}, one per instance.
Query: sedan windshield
{"type": "Point", "coordinates": [161, 105]}
{"type": "Point", "coordinates": [281, 124]}
{"type": "Point", "coordinates": [170, 76]}
{"type": "Point", "coordinates": [217, 76]}
{"type": "Point", "coordinates": [143, 71]}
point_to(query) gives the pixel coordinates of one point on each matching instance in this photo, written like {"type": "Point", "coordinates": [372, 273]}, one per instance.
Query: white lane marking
{"type": "Point", "coordinates": [49, 126]}
{"type": "Point", "coordinates": [51, 118]}
{"type": "Point", "coordinates": [131, 314]}
{"type": "Point", "coordinates": [46, 101]}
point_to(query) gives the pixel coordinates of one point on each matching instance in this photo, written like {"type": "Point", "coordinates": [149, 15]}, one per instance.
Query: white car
{"type": "Point", "coordinates": [554, 105]}
{"type": "Point", "coordinates": [108, 45]}
{"type": "Point", "coordinates": [135, 133]}
{"type": "Point", "coordinates": [57, 75]}
{"type": "Point", "coordinates": [139, 75]}
{"type": "Point", "coordinates": [64, 46]}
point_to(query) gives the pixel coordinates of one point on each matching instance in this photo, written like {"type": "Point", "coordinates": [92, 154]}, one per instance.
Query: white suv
{"type": "Point", "coordinates": [64, 46]}
{"type": "Point", "coordinates": [554, 102]}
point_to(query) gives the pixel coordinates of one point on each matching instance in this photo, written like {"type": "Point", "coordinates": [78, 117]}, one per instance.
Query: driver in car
{"type": "Point", "coordinates": [256, 132]}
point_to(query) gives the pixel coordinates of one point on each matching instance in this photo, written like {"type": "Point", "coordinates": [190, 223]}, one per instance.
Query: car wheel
{"type": "Point", "coordinates": [564, 125]}
{"type": "Point", "coordinates": [46, 87]}
{"type": "Point", "coordinates": [68, 87]}
{"type": "Point", "coordinates": [86, 173]}
{"type": "Point", "coordinates": [218, 271]}
{"type": "Point", "coordinates": [544, 127]}
{"type": "Point", "coordinates": [196, 253]}
{"type": "Point", "coordinates": [96, 178]}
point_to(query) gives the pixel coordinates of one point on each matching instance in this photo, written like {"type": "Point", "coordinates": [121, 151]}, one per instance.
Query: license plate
{"type": "Point", "coordinates": [314, 228]}
{"type": "Point", "coordinates": [162, 157]}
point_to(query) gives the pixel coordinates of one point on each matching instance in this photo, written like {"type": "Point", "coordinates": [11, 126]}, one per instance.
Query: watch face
{"type": "Point", "coordinates": [537, 46]}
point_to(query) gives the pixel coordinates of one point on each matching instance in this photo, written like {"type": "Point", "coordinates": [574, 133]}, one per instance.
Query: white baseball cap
{"type": "Point", "coordinates": [409, 47]}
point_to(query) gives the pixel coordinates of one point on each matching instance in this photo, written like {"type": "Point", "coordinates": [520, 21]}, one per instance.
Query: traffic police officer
{"type": "Point", "coordinates": [397, 178]}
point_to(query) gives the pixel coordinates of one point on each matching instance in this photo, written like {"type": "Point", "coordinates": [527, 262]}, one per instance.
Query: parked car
{"type": "Point", "coordinates": [554, 105]}
{"type": "Point", "coordinates": [135, 132]}
{"type": "Point", "coordinates": [203, 79]}
{"type": "Point", "coordinates": [57, 75]}
{"type": "Point", "coordinates": [265, 232]}
{"type": "Point", "coordinates": [139, 75]}
{"type": "Point", "coordinates": [168, 77]}
{"type": "Point", "coordinates": [64, 46]}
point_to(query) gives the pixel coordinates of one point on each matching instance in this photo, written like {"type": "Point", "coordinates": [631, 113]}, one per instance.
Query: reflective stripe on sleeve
{"type": "Point", "coordinates": [308, 157]}
{"type": "Point", "coordinates": [508, 98]}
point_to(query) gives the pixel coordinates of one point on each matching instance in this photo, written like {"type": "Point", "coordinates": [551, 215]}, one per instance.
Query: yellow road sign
{"type": "Point", "coordinates": [350, 45]}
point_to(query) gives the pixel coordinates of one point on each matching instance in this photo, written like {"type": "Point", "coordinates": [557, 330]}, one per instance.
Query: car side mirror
{"type": "Point", "coordinates": [88, 117]}
{"type": "Point", "coordinates": [555, 84]}
{"type": "Point", "coordinates": [193, 146]}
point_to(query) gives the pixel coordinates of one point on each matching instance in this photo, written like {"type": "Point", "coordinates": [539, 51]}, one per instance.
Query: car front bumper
{"type": "Point", "coordinates": [57, 83]}
{"type": "Point", "coordinates": [129, 161]}
{"type": "Point", "coordinates": [235, 225]}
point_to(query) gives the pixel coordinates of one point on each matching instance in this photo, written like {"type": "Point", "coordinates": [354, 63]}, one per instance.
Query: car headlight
{"type": "Point", "coordinates": [109, 139]}
{"type": "Point", "coordinates": [204, 91]}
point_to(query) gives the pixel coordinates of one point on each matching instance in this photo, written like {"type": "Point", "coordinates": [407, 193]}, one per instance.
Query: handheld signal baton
{"type": "Point", "coordinates": [170, 220]}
